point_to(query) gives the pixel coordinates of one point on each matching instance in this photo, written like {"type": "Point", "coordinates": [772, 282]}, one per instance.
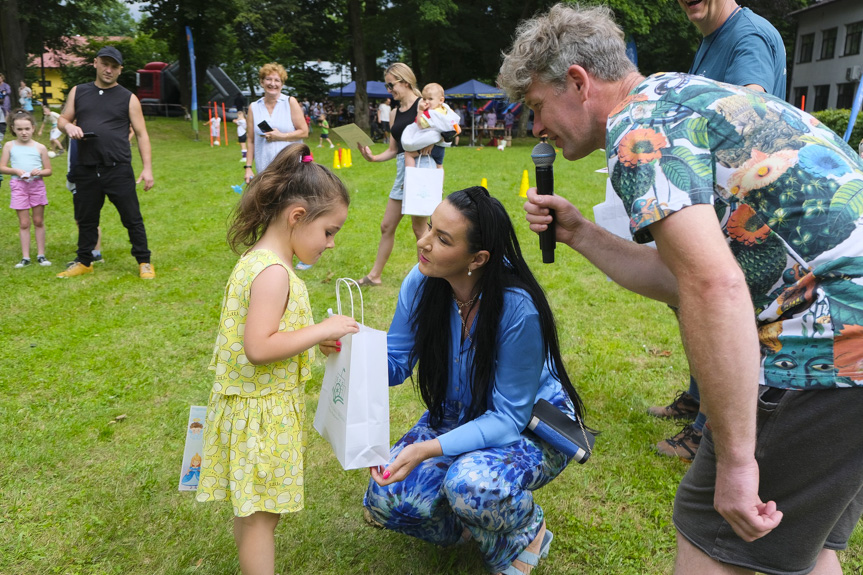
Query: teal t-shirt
{"type": "Point", "coordinates": [746, 49]}
{"type": "Point", "coordinates": [787, 194]}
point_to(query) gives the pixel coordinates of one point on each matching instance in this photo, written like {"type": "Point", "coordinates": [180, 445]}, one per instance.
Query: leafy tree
{"type": "Point", "coordinates": [210, 23]}
{"type": "Point", "coordinates": [137, 52]}
{"type": "Point", "coordinates": [111, 18]}
{"type": "Point", "coordinates": [29, 27]}
{"type": "Point", "coordinates": [674, 48]}
{"type": "Point", "coordinates": [290, 32]}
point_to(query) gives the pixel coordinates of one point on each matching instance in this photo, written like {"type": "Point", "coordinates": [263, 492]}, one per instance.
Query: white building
{"type": "Point", "coordinates": [828, 54]}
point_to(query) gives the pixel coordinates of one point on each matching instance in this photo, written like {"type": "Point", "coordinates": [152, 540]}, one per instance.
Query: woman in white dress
{"type": "Point", "coordinates": [282, 114]}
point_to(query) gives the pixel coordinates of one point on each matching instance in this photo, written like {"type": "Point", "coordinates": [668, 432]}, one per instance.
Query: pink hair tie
{"type": "Point", "coordinates": [307, 159]}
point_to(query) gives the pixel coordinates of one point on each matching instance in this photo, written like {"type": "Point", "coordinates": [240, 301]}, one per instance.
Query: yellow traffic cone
{"type": "Point", "coordinates": [350, 162]}
{"type": "Point", "coordinates": [337, 165]}
{"type": "Point", "coordinates": [525, 184]}
{"type": "Point", "coordinates": [484, 183]}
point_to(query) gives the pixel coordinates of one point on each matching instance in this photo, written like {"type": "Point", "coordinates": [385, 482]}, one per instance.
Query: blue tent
{"type": "Point", "coordinates": [471, 90]}
{"type": "Point", "coordinates": [374, 90]}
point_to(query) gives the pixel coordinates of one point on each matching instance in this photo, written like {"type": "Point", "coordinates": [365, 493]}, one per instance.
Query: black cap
{"type": "Point", "coordinates": [111, 52]}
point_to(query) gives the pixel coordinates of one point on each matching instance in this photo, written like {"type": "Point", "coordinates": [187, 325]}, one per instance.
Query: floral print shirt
{"type": "Point", "coordinates": [788, 194]}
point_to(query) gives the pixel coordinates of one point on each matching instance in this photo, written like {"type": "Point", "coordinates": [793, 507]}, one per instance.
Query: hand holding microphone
{"type": "Point", "coordinates": [543, 156]}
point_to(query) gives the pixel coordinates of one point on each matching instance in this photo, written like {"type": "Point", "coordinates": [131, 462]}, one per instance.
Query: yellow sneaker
{"type": "Point", "coordinates": [146, 271]}
{"type": "Point", "coordinates": [76, 269]}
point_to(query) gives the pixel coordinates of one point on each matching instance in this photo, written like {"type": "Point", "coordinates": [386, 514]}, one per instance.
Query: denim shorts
{"type": "Point", "coordinates": [398, 191]}
{"type": "Point", "coordinates": [809, 449]}
{"type": "Point", "coordinates": [437, 154]}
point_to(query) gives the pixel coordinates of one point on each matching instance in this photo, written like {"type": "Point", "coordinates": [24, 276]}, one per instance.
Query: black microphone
{"type": "Point", "coordinates": [543, 157]}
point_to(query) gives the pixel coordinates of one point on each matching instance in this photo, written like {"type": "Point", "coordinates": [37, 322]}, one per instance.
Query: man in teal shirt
{"type": "Point", "coordinates": [742, 48]}
{"type": "Point", "coordinates": [739, 46]}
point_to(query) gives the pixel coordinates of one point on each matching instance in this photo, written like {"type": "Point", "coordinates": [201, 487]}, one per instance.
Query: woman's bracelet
{"type": "Point", "coordinates": [247, 167]}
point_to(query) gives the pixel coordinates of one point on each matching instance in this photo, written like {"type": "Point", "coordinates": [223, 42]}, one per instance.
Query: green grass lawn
{"type": "Point", "coordinates": [82, 492]}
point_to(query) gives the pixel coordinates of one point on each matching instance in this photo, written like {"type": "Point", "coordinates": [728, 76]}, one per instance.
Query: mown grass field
{"type": "Point", "coordinates": [82, 492]}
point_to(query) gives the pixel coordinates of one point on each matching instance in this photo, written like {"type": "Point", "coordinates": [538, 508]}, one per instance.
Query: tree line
{"type": "Point", "coordinates": [442, 40]}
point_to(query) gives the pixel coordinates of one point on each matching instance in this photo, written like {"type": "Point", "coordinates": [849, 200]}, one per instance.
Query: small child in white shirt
{"type": "Point", "coordinates": [240, 121]}
{"type": "Point", "coordinates": [215, 128]}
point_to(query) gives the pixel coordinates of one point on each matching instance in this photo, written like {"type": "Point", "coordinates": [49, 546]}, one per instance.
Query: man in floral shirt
{"type": "Point", "coordinates": [757, 213]}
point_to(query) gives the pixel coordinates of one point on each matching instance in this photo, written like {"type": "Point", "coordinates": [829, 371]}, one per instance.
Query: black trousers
{"type": "Point", "coordinates": [92, 185]}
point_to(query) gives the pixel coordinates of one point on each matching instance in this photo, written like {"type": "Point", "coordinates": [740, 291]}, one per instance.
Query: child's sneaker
{"type": "Point", "coordinates": [23, 263]}
{"type": "Point", "coordinates": [98, 258]}
{"type": "Point", "coordinates": [43, 261]}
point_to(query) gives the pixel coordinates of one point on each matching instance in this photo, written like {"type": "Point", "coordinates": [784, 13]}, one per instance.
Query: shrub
{"type": "Point", "coordinates": [837, 120]}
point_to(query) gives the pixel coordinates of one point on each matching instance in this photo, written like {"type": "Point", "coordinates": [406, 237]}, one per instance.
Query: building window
{"type": "Point", "coordinates": [845, 94]}
{"type": "Point", "coordinates": [45, 83]}
{"type": "Point", "coordinates": [806, 43]}
{"type": "Point", "coordinates": [822, 93]}
{"type": "Point", "coordinates": [828, 43]}
{"type": "Point", "coordinates": [853, 33]}
{"type": "Point", "coordinates": [800, 94]}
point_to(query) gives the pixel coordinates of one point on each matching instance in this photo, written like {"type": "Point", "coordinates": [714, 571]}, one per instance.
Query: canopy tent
{"type": "Point", "coordinates": [471, 90]}
{"type": "Point", "coordinates": [374, 90]}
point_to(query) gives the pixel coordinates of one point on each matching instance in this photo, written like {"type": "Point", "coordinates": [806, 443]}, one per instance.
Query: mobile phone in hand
{"type": "Point", "coordinates": [265, 127]}
{"type": "Point", "coordinates": [87, 135]}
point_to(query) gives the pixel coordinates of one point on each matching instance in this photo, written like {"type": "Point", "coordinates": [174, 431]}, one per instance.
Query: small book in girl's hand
{"type": "Point", "coordinates": [553, 426]}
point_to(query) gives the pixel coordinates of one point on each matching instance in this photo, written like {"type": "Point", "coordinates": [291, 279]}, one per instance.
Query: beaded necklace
{"type": "Point", "coordinates": [463, 316]}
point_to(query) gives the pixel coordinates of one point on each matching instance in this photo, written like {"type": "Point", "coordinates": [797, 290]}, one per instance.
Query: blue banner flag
{"type": "Point", "coordinates": [194, 82]}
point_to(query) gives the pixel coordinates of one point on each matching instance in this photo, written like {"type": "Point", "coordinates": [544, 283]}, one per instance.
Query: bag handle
{"type": "Point", "coordinates": [350, 283]}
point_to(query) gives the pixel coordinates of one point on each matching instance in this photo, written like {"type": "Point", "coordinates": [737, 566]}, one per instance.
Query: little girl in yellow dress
{"type": "Point", "coordinates": [253, 436]}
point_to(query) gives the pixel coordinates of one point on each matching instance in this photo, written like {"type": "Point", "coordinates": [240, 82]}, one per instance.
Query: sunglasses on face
{"type": "Point", "coordinates": [389, 85]}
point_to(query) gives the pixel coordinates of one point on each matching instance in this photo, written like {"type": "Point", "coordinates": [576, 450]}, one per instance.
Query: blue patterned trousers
{"type": "Point", "coordinates": [488, 491]}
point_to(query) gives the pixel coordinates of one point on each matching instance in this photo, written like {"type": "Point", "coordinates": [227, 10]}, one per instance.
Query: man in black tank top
{"type": "Point", "coordinates": [98, 114]}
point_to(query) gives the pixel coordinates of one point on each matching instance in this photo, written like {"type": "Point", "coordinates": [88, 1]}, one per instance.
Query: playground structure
{"type": "Point", "coordinates": [159, 90]}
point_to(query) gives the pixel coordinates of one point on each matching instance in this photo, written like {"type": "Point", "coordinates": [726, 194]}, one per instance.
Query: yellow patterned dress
{"type": "Point", "coordinates": [253, 437]}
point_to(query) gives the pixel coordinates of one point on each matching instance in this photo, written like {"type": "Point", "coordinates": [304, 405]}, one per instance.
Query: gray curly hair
{"type": "Point", "coordinates": [547, 45]}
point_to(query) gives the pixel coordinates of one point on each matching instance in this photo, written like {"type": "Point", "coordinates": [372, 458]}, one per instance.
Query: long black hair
{"type": "Point", "coordinates": [489, 228]}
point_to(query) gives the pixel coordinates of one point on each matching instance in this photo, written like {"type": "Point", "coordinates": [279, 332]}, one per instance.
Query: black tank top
{"type": "Point", "coordinates": [105, 112]}
{"type": "Point", "coordinates": [402, 121]}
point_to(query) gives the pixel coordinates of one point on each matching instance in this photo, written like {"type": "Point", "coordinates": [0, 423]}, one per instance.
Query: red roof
{"type": "Point", "coordinates": [62, 57]}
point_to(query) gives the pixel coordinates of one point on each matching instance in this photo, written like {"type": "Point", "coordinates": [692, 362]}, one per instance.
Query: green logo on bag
{"type": "Point", "coordinates": [338, 387]}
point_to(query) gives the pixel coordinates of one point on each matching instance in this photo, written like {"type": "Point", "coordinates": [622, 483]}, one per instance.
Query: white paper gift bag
{"type": "Point", "coordinates": [423, 191]}
{"type": "Point", "coordinates": [353, 412]}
